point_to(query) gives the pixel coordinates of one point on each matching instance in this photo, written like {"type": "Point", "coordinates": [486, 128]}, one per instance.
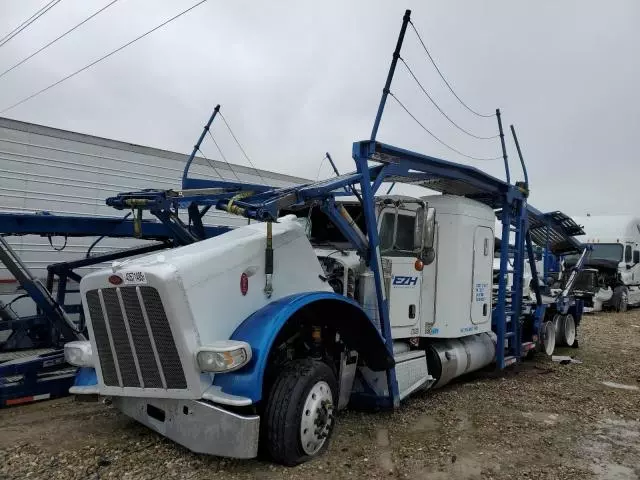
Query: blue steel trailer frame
{"type": "Point", "coordinates": [26, 376]}
{"type": "Point", "coordinates": [376, 163]}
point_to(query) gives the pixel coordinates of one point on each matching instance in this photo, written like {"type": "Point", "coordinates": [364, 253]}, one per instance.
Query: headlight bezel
{"type": "Point", "coordinates": [79, 353]}
{"type": "Point", "coordinates": [231, 355]}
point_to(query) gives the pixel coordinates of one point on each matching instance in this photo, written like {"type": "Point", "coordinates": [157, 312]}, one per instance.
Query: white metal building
{"type": "Point", "coordinates": [47, 169]}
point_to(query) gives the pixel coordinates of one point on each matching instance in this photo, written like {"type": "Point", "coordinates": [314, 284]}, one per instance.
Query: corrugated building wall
{"type": "Point", "coordinates": [62, 172]}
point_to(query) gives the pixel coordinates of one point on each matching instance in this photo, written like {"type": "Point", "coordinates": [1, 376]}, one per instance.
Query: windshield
{"type": "Point", "coordinates": [606, 251]}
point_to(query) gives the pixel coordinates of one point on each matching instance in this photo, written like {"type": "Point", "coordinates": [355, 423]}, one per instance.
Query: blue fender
{"type": "Point", "coordinates": [262, 327]}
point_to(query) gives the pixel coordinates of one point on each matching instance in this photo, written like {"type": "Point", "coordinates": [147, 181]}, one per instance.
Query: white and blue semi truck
{"type": "Point", "coordinates": [259, 336]}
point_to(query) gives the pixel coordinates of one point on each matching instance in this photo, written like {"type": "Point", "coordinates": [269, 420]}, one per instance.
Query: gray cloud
{"type": "Point", "coordinates": [298, 78]}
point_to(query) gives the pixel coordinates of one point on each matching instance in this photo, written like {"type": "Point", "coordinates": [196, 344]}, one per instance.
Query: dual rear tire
{"type": "Point", "coordinates": [560, 331]}
{"type": "Point", "coordinates": [565, 326]}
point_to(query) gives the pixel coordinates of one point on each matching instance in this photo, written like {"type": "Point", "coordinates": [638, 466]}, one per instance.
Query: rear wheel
{"type": "Point", "coordinates": [569, 330]}
{"type": "Point", "coordinates": [558, 325]}
{"type": "Point", "coordinates": [299, 415]}
{"type": "Point", "coordinates": [548, 338]}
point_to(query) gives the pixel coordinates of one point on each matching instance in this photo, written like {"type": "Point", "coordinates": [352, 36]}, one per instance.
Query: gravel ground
{"type": "Point", "coordinates": [539, 420]}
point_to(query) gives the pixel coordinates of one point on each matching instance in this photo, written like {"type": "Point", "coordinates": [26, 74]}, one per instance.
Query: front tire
{"type": "Point", "coordinates": [299, 415]}
{"type": "Point", "coordinates": [621, 299]}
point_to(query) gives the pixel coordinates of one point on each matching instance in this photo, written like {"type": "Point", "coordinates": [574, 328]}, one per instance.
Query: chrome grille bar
{"type": "Point", "coordinates": [153, 342]}
{"type": "Point", "coordinates": [111, 344]}
{"type": "Point", "coordinates": [129, 337]}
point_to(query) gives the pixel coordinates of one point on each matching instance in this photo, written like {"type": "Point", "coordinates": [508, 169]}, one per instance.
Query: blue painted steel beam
{"type": "Point", "coordinates": [405, 160]}
{"type": "Point", "coordinates": [196, 147]}
{"type": "Point", "coordinates": [329, 207]}
{"type": "Point", "coordinates": [392, 68]}
{"type": "Point", "coordinates": [499, 320]}
{"type": "Point", "coordinates": [196, 183]}
{"type": "Point", "coordinates": [78, 226]}
{"type": "Point", "coordinates": [374, 261]}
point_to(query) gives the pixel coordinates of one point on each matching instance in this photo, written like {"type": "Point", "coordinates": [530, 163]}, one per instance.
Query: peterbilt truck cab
{"type": "Point", "coordinates": [201, 344]}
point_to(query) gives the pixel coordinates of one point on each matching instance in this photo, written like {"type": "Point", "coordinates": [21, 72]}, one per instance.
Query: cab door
{"type": "Point", "coordinates": [396, 228]}
{"type": "Point", "coordinates": [482, 274]}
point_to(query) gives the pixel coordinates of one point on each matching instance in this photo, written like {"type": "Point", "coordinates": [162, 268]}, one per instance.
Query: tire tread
{"type": "Point", "coordinates": [281, 410]}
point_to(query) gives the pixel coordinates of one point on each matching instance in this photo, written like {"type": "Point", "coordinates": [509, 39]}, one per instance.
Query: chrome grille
{"type": "Point", "coordinates": [133, 338]}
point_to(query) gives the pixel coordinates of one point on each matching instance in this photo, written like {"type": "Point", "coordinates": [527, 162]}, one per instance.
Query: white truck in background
{"type": "Point", "coordinates": [615, 253]}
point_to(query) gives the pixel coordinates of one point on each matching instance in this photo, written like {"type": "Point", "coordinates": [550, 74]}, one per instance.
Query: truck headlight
{"type": "Point", "coordinates": [223, 356]}
{"type": "Point", "coordinates": [79, 353]}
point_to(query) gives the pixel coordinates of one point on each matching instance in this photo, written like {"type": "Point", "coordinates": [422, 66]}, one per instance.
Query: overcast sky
{"type": "Point", "coordinates": [298, 78]}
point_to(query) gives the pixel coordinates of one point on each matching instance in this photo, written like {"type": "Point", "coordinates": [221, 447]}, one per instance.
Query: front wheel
{"type": "Point", "coordinates": [299, 415]}
{"type": "Point", "coordinates": [621, 299]}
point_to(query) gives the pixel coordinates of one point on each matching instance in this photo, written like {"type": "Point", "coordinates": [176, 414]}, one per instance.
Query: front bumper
{"type": "Point", "coordinates": [199, 426]}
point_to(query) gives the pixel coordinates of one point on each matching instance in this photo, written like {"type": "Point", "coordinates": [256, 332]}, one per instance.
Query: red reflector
{"type": "Point", "coordinates": [19, 401]}
{"type": "Point", "coordinates": [115, 280]}
{"type": "Point", "coordinates": [244, 284]}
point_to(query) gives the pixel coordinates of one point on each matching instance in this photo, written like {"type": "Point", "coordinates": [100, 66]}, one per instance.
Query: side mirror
{"type": "Point", "coordinates": [636, 256]}
{"type": "Point", "coordinates": [424, 234]}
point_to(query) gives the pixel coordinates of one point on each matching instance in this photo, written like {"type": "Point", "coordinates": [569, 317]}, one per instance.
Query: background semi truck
{"type": "Point", "coordinates": [614, 242]}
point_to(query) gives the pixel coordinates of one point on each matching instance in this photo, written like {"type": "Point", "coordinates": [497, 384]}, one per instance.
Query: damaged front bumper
{"type": "Point", "coordinates": [198, 425]}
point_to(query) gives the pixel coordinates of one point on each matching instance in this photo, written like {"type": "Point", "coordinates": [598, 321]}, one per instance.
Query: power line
{"type": "Point", "coordinates": [23, 24]}
{"type": "Point", "coordinates": [242, 149]}
{"type": "Point", "coordinates": [440, 109]}
{"type": "Point", "coordinates": [13, 33]}
{"type": "Point", "coordinates": [444, 79]}
{"type": "Point", "coordinates": [209, 162]}
{"type": "Point", "coordinates": [222, 154]}
{"type": "Point", "coordinates": [319, 167]}
{"type": "Point", "coordinates": [56, 39]}
{"type": "Point", "coordinates": [436, 138]}
{"type": "Point", "coordinates": [104, 57]}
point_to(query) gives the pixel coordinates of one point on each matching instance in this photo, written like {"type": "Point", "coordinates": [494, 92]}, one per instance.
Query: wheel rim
{"type": "Point", "coordinates": [558, 325]}
{"type": "Point", "coordinates": [623, 302]}
{"type": "Point", "coordinates": [569, 330]}
{"type": "Point", "coordinates": [549, 338]}
{"type": "Point", "coordinates": [317, 418]}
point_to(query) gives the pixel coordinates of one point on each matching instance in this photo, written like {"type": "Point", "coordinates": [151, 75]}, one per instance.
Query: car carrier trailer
{"type": "Point", "coordinates": [32, 364]}
{"type": "Point", "coordinates": [259, 336]}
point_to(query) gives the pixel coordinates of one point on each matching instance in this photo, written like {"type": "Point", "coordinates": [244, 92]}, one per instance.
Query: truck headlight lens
{"type": "Point", "coordinates": [223, 356]}
{"type": "Point", "coordinates": [79, 353]}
